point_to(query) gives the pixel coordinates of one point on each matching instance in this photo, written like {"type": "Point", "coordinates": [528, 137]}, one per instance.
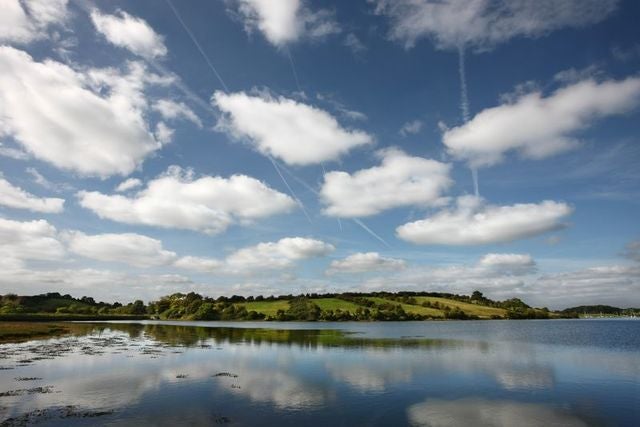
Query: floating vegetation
{"type": "Point", "coordinates": [21, 392]}
{"type": "Point", "coordinates": [225, 374]}
{"type": "Point", "coordinates": [42, 415]}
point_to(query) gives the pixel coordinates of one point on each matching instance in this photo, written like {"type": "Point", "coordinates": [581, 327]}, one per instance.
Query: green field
{"type": "Point", "coordinates": [269, 308]}
{"type": "Point", "coordinates": [335, 304]}
{"type": "Point", "coordinates": [409, 308]}
{"type": "Point", "coordinates": [468, 308]}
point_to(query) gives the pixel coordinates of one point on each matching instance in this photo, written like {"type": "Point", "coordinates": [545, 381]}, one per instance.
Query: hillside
{"type": "Point", "coordinates": [327, 307]}
{"type": "Point", "coordinates": [345, 306]}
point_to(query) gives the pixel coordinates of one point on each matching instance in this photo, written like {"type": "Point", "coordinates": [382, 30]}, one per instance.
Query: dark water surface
{"type": "Point", "coordinates": [496, 373]}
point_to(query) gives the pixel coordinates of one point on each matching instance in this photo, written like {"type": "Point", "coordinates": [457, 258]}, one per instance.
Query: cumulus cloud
{"type": "Point", "coordinates": [297, 133]}
{"type": "Point", "coordinates": [128, 184]}
{"type": "Point", "coordinates": [277, 255]}
{"type": "Point", "coordinates": [607, 284]}
{"type": "Point", "coordinates": [90, 122]}
{"type": "Point", "coordinates": [400, 180]}
{"type": "Point", "coordinates": [129, 32]}
{"type": "Point", "coordinates": [365, 262]}
{"type": "Point", "coordinates": [101, 284]}
{"type": "Point", "coordinates": [176, 110]}
{"type": "Point", "coordinates": [484, 24]}
{"type": "Point", "coordinates": [499, 275]}
{"type": "Point", "coordinates": [199, 264]}
{"type": "Point", "coordinates": [163, 133]}
{"type": "Point", "coordinates": [43, 182]}
{"type": "Point", "coordinates": [411, 128]}
{"type": "Point", "coordinates": [472, 222]}
{"type": "Point", "coordinates": [286, 21]}
{"type": "Point", "coordinates": [127, 248]}
{"type": "Point", "coordinates": [515, 264]}
{"type": "Point", "coordinates": [537, 126]}
{"type": "Point", "coordinates": [26, 21]}
{"type": "Point", "coordinates": [29, 240]}
{"type": "Point", "coordinates": [15, 197]}
{"type": "Point", "coordinates": [177, 199]}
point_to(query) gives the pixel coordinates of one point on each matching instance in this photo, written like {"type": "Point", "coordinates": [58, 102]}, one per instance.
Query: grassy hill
{"type": "Point", "coordinates": [422, 306]}
{"type": "Point", "coordinates": [328, 307]}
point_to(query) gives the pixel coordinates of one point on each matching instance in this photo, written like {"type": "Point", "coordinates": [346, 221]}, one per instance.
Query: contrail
{"type": "Point", "coordinates": [293, 68]}
{"type": "Point", "coordinates": [298, 201]}
{"type": "Point", "coordinates": [195, 42]}
{"type": "Point", "coordinates": [190, 94]}
{"type": "Point", "coordinates": [370, 231]}
{"type": "Point", "coordinates": [356, 220]}
{"type": "Point", "coordinates": [464, 98]}
{"type": "Point", "coordinates": [464, 107]}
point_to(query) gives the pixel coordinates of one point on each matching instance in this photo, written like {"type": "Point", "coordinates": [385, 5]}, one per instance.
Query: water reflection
{"type": "Point", "coordinates": [123, 374]}
{"type": "Point", "coordinates": [488, 413]}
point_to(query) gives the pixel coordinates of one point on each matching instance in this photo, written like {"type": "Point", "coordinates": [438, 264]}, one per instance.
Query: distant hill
{"type": "Point", "coordinates": [601, 309]}
{"type": "Point", "coordinates": [55, 305]}
{"type": "Point", "coordinates": [372, 306]}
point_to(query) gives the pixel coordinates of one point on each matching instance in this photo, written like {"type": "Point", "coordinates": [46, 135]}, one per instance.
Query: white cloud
{"type": "Point", "coordinates": [608, 284]}
{"type": "Point", "coordinates": [29, 240]}
{"type": "Point", "coordinates": [53, 112]}
{"type": "Point", "coordinates": [508, 263]}
{"type": "Point", "coordinates": [411, 128]}
{"type": "Point", "coordinates": [297, 133]}
{"type": "Point", "coordinates": [128, 248]}
{"type": "Point", "coordinates": [101, 284]}
{"type": "Point", "coordinates": [484, 24]}
{"type": "Point", "coordinates": [176, 110]}
{"type": "Point", "coordinates": [17, 198]}
{"type": "Point", "coordinates": [128, 184]}
{"type": "Point", "coordinates": [472, 222]}
{"type": "Point", "coordinates": [286, 21]}
{"type": "Point", "coordinates": [163, 133]}
{"type": "Point", "coordinates": [277, 255]}
{"type": "Point", "coordinates": [199, 264]}
{"type": "Point", "coordinates": [129, 32]}
{"type": "Point", "coordinates": [178, 200]}
{"type": "Point", "coordinates": [401, 180]}
{"type": "Point", "coordinates": [365, 262]}
{"type": "Point", "coordinates": [12, 153]}
{"type": "Point", "coordinates": [354, 43]}
{"type": "Point", "coordinates": [537, 126]}
{"type": "Point", "coordinates": [23, 22]}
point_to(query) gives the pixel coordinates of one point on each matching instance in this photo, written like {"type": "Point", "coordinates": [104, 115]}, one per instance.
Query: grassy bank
{"type": "Point", "coordinates": [25, 331]}
{"type": "Point", "coordinates": [53, 317]}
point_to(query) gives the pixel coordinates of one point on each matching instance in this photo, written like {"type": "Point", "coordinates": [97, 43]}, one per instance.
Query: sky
{"type": "Point", "coordinates": [260, 147]}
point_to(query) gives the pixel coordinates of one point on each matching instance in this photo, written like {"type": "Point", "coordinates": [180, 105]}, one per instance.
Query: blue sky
{"type": "Point", "coordinates": [260, 147]}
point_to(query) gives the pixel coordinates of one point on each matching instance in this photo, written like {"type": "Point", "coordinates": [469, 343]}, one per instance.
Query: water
{"type": "Point", "coordinates": [497, 373]}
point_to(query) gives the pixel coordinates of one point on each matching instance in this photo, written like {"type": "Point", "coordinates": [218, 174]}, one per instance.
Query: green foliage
{"type": "Point", "coordinates": [347, 306]}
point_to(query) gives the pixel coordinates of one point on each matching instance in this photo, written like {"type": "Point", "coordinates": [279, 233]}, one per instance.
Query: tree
{"type": "Point", "coordinates": [138, 307]}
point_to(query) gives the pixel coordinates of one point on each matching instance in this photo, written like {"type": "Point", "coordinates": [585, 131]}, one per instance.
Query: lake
{"type": "Point", "coordinates": [444, 373]}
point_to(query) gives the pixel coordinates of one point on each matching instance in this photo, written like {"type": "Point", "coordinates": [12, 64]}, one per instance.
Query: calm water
{"type": "Point", "coordinates": [502, 373]}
